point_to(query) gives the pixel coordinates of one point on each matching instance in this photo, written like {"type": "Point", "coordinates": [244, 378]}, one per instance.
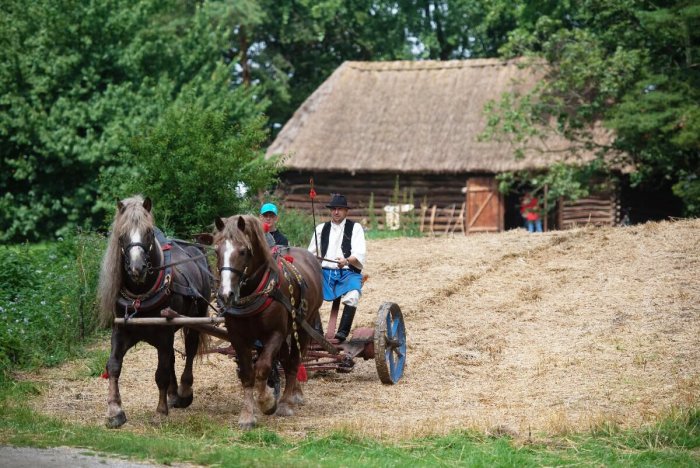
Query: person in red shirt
{"type": "Point", "coordinates": [530, 210]}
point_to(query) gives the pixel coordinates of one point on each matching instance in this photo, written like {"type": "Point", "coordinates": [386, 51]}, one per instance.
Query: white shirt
{"type": "Point", "coordinates": [358, 248]}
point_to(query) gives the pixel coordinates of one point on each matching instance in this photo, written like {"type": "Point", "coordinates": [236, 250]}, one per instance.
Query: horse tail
{"type": "Point", "coordinates": [109, 283]}
{"type": "Point", "coordinates": [203, 346]}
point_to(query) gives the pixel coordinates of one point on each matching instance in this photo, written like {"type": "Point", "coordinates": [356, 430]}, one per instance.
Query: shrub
{"type": "Point", "coordinates": [297, 226]}
{"type": "Point", "coordinates": [47, 301]}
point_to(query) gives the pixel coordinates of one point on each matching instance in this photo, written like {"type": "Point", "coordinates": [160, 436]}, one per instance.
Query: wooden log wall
{"type": "Point", "coordinates": [443, 192]}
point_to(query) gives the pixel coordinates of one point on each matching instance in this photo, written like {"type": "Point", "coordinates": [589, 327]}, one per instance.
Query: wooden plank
{"type": "Point", "coordinates": [449, 219]}
{"type": "Point", "coordinates": [423, 210]}
{"type": "Point", "coordinates": [460, 220]}
{"type": "Point", "coordinates": [169, 321]}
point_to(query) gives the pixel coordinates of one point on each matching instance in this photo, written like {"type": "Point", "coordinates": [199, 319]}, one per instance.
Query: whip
{"type": "Point", "coordinates": [312, 194]}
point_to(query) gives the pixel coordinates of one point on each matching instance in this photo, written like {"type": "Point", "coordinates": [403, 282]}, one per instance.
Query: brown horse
{"type": "Point", "coordinates": [143, 273]}
{"type": "Point", "coordinates": [265, 299]}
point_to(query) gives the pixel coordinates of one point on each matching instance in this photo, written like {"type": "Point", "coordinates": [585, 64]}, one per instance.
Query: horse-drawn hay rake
{"type": "Point", "coordinates": [385, 343]}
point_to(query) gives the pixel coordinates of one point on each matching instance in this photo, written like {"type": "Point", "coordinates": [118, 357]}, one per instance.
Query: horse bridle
{"type": "Point", "coordinates": [241, 274]}
{"type": "Point", "coordinates": [146, 250]}
{"type": "Point", "coordinates": [243, 277]}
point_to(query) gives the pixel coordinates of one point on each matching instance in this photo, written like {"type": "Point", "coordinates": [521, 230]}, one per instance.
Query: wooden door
{"type": "Point", "coordinates": [484, 206]}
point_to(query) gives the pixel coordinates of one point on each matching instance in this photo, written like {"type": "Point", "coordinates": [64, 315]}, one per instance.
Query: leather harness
{"type": "Point", "coordinates": [158, 296]}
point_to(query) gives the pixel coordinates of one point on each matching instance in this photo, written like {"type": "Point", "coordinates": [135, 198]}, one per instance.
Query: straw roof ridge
{"type": "Point", "coordinates": [412, 65]}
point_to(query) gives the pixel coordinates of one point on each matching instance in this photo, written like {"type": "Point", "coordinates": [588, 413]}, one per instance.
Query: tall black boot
{"type": "Point", "coordinates": [345, 323]}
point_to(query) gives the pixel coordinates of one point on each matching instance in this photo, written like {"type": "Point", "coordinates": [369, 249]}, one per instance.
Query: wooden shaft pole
{"type": "Point", "coordinates": [170, 321]}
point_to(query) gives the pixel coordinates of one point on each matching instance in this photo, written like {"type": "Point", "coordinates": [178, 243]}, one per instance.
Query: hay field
{"type": "Point", "coordinates": [519, 333]}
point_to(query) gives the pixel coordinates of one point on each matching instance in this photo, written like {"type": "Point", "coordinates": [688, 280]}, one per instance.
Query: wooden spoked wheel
{"type": "Point", "coordinates": [390, 343]}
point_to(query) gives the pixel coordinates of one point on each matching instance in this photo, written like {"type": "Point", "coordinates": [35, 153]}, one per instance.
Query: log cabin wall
{"type": "Point", "coordinates": [439, 199]}
{"type": "Point", "coordinates": [442, 191]}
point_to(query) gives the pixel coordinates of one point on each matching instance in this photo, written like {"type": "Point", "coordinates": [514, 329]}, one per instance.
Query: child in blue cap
{"type": "Point", "coordinates": [268, 214]}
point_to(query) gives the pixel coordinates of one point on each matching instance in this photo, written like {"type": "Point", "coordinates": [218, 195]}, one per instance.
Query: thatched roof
{"type": "Point", "coordinates": [422, 116]}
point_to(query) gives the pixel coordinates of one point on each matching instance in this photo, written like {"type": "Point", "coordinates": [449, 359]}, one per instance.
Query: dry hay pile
{"type": "Point", "coordinates": [511, 332]}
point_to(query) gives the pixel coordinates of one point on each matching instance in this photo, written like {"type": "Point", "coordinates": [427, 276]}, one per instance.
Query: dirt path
{"type": "Point", "coordinates": [510, 332]}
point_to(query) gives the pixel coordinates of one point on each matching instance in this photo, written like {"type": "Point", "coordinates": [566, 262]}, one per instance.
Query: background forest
{"type": "Point", "coordinates": [177, 99]}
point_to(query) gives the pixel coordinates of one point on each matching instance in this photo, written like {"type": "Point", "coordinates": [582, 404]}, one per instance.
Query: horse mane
{"type": "Point", "coordinates": [253, 237]}
{"type": "Point", "coordinates": [129, 214]}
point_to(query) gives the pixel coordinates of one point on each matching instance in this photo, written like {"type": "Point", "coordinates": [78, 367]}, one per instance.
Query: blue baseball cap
{"type": "Point", "coordinates": [267, 207]}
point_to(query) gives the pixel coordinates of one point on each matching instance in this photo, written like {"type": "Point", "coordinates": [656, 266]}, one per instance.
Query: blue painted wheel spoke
{"type": "Point", "coordinates": [394, 328]}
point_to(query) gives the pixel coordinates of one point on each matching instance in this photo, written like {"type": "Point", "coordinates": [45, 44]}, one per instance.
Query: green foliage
{"type": "Point", "coordinates": [85, 87]}
{"type": "Point", "coordinates": [566, 181]}
{"type": "Point", "coordinates": [628, 64]}
{"type": "Point", "coordinates": [373, 222]}
{"type": "Point", "coordinates": [688, 189]}
{"type": "Point", "coordinates": [305, 41]}
{"type": "Point", "coordinates": [47, 303]}
{"type": "Point", "coordinates": [298, 226]}
{"type": "Point", "coordinates": [79, 80]}
{"type": "Point", "coordinates": [96, 362]}
{"type": "Point", "coordinates": [193, 165]}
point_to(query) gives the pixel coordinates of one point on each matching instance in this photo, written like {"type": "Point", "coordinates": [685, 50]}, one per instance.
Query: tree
{"type": "Point", "coordinates": [458, 29]}
{"type": "Point", "coordinates": [628, 64]}
{"type": "Point", "coordinates": [78, 81]}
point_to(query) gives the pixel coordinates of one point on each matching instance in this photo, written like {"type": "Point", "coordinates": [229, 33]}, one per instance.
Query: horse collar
{"type": "Point", "coordinates": [257, 301]}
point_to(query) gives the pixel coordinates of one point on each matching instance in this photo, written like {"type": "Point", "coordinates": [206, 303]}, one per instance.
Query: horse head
{"type": "Point", "coordinates": [239, 255]}
{"type": "Point", "coordinates": [136, 239]}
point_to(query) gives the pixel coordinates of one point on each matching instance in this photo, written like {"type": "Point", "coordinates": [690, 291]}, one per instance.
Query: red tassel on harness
{"type": "Point", "coordinates": [289, 258]}
{"type": "Point", "coordinates": [301, 373]}
{"type": "Point", "coordinates": [105, 374]}
{"type": "Point", "coordinates": [312, 193]}
{"type": "Point", "coordinates": [266, 227]}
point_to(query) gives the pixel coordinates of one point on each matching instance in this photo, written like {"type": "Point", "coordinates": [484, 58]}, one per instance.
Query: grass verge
{"type": "Point", "coordinates": [673, 442]}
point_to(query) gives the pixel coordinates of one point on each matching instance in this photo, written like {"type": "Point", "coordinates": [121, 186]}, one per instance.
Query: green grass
{"type": "Point", "coordinates": [673, 442]}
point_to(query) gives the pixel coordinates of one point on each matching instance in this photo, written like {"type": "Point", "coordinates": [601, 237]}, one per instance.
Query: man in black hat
{"type": "Point", "coordinates": [343, 241]}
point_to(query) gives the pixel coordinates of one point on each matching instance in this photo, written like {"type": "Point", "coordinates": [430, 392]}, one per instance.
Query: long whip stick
{"type": "Point", "coordinates": [312, 194]}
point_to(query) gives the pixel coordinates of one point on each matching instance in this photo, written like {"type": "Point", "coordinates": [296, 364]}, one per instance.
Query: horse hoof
{"type": "Point", "coordinates": [158, 419]}
{"type": "Point", "coordinates": [116, 421]}
{"type": "Point", "coordinates": [246, 426]}
{"type": "Point", "coordinates": [298, 400]}
{"type": "Point", "coordinates": [183, 402]}
{"type": "Point", "coordinates": [284, 410]}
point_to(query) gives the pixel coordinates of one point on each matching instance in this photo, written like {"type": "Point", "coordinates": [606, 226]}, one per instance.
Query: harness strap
{"type": "Point", "coordinates": [159, 294]}
{"type": "Point", "coordinates": [259, 300]}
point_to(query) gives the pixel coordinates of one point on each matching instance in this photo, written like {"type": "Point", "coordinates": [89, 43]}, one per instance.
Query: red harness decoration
{"type": "Point", "coordinates": [301, 373]}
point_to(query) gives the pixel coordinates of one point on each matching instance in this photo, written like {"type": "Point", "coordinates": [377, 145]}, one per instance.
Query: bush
{"type": "Point", "coordinates": [297, 226]}
{"type": "Point", "coordinates": [47, 301]}
{"type": "Point", "coordinates": [195, 165]}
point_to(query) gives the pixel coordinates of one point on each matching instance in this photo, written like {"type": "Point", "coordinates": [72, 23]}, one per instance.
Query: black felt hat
{"type": "Point", "coordinates": [337, 201]}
